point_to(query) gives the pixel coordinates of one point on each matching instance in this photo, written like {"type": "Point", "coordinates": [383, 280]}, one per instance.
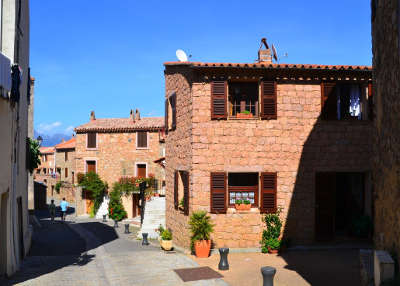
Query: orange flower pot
{"type": "Point", "coordinates": [202, 248]}
{"type": "Point", "coordinates": [246, 207]}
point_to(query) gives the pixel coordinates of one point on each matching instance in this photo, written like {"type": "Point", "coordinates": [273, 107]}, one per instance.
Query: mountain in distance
{"type": "Point", "coordinates": [51, 139]}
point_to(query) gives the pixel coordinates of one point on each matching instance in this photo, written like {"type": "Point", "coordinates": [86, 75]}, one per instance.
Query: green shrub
{"type": "Point", "coordinates": [238, 202]}
{"type": "Point", "coordinates": [160, 229]}
{"type": "Point", "coordinates": [116, 210]}
{"type": "Point", "coordinates": [166, 235]}
{"type": "Point", "coordinates": [246, 112]}
{"type": "Point", "coordinates": [91, 182]}
{"type": "Point", "coordinates": [200, 226]}
{"type": "Point", "coordinates": [80, 177]}
{"type": "Point", "coordinates": [58, 186]}
{"type": "Point", "coordinates": [270, 236]}
{"type": "Point", "coordinates": [246, 202]}
{"type": "Point", "coordinates": [32, 154]}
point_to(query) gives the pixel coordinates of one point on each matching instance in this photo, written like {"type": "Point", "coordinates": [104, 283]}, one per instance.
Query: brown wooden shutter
{"type": "Point", "coordinates": [328, 101]}
{"type": "Point", "coordinates": [370, 101]}
{"type": "Point", "coordinates": [142, 139]}
{"type": "Point", "coordinates": [176, 199]}
{"type": "Point", "coordinates": [218, 100]}
{"type": "Point", "coordinates": [173, 105]}
{"type": "Point", "coordinates": [218, 192]}
{"type": "Point", "coordinates": [268, 193]}
{"type": "Point", "coordinates": [268, 100]}
{"type": "Point", "coordinates": [185, 180]}
{"type": "Point", "coordinates": [166, 117]}
{"type": "Point", "coordinates": [91, 140]}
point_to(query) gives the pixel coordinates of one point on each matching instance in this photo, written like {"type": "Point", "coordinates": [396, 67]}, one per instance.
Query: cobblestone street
{"type": "Point", "coordinates": [89, 252]}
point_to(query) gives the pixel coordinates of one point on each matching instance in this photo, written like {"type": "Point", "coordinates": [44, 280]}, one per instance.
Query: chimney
{"type": "Point", "coordinates": [92, 116]}
{"type": "Point", "coordinates": [264, 55]}
{"type": "Point", "coordinates": [137, 116]}
{"type": "Point", "coordinates": [132, 115]}
{"type": "Point", "coordinates": [62, 140]}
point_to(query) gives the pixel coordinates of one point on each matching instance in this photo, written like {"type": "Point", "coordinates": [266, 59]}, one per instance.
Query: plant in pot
{"type": "Point", "coordinates": [238, 204]}
{"type": "Point", "coordinates": [116, 210]}
{"type": "Point", "coordinates": [246, 205]}
{"type": "Point", "coordinates": [201, 228]}
{"type": "Point", "coordinates": [160, 230]}
{"type": "Point", "coordinates": [270, 237]}
{"type": "Point", "coordinates": [244, 114]}
{"type": "Point", "coordinates": [166, 240]}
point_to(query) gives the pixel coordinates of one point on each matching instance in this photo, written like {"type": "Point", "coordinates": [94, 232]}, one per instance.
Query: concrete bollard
{"type": "Point", "coordinates": [126, 228]}
{"type": "Point", "coordinates": [223, 262]}
{"type": "Point", "coordinates": [268, 274]}
{"type": "Point", "coordinates": [115, 224]}
{"type": "Point", "coordinates": [104, 218]}
{"type": "Point", "coordinates": [144, 241]}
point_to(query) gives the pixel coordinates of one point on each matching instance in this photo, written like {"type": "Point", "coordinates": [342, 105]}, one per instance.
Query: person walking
{"type": "Point", "coordinates": [64, 208]}
{"type": "Point", "coordinates": [52, 210]}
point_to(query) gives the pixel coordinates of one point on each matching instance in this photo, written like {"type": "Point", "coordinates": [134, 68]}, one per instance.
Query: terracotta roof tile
{"type": "Point", "coordinates": [272, 66]}
{"type": "Point", "coordinates": [70, 144]}
{"type": "Point", "coordinates": [46, 150]}
{"type": "Point", "coordinates": [121, 124]}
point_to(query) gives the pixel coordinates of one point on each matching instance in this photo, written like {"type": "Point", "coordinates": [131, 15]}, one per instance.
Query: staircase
{"type": "Point", "coordinates": [154, 215]}
{"type": "Point", "coordinates": [103, 209]}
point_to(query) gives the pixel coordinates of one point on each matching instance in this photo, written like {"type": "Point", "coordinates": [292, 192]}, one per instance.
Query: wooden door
{"type": "Point", "coordinates": [89, 201]}
{"type": "Point", "coordinates": [141, 170]}
{"type": "Point", "coordinates": [325, 190]}
{"type": "Point", "coordinates": [91, 166]}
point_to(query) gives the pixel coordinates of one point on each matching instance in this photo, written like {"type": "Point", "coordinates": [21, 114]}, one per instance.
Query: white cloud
{"type": "Point", "coordinates": [48, 127]}
{"type": "Point", "coordinates": [69, 129]}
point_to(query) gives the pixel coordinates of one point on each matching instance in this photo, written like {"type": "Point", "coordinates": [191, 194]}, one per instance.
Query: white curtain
{"type": "Point", "coordinates": [355, 109]}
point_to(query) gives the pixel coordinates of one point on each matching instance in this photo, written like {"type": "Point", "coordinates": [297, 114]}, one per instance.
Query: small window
{"type": "Point", "coordinates": [243, 186]}
{"type": "Point", "coordinates": [66, 172]}
{"type": "Point", "coordinates": [181, 191]}
{"type": "Point", "coordinates": [170, 113]}
{"type": "Point", "coordinates": [92, 140]}
{"type": "Point", "coordinates": [141, 170]}
{"type": "Point", "coordinates": [66, 156]}
{"type": "Point", "coordinates": [141, 139]}
{"type": "Point", "coordinates": [243, 99]}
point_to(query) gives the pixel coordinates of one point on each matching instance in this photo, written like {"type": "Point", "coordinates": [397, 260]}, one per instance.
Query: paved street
{"type": "Point", "coordinates": [88, 252]}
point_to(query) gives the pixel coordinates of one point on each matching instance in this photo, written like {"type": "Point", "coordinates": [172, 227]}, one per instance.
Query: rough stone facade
{"type": "Point", "coordinates": [386, 62]}
{"type": "Point", "coordinates": [296, 146]}
{"type": "Point", "coordinates": [65, 164]}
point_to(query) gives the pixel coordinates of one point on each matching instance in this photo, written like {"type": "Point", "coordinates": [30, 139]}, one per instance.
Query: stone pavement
{"type": "Point", "coordinates": [108, 258]}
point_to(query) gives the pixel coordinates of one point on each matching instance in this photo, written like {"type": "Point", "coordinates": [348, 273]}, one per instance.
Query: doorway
{"type": "Point", "coordinates": [3, 233]}
{"type": "Point", "coordinates": [339, 200]}
{"type": "Point", "coordinates": [141, 170]}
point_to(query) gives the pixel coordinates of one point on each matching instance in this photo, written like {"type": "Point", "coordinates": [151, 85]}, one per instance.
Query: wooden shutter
{"type": "Point", "coordinates": [328, 101]}
{"type": "Point", "coordinates": [176, 202]}
{"type": "Point", "coordinates": [370, 101]}
{"type": "Point", "coordinates": [268, 193]}
{"type": "Point", "coordinates": [91, 140]}
{"type": "Point", "coordinates": [142, 139]}
{"type": "Point", "coordinates": [166, 117]}
{"type": "Point", "coordinates": [218, 192]}
{"type": "Point", "coordinates": [173, 108]}
{"type": "Point", "coordinates": [268, 100]}
{"type": "Point", "coordinates": [66, 172]}
{"type": "Point", "coordinates": [185, 179]}
{"type": "Point", "coordinates": [218, 100]}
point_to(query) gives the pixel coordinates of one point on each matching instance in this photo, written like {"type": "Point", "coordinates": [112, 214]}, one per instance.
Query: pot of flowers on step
{"type": "Point", "coordinates": [166, 240]}
{"type": "Point", "coordinates": [201, 228]}
{"type": "Point", "coordinates": [160, 230]}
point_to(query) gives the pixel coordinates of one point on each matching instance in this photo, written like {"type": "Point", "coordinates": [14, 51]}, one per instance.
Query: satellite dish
{"type": "Point", "coordinates": [274, 53]}
{"type": "Point", "coordinates": [181, 55]}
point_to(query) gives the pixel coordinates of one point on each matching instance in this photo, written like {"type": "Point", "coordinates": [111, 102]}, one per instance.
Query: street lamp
{"type": "Point", "coordinates": [39, 140]}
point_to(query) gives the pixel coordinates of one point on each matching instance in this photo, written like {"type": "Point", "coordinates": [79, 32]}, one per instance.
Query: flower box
{"type": "Point", "coordinates": [244, 115]}
{"type": "Point", "coordinates": [243, 207]}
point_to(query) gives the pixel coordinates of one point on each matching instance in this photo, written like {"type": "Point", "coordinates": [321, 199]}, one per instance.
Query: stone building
{"type": "Point", "coordinates": [118, 147]}
{"type": "Point", "coordinates": [15, 231]}
{"type": "Point", "coordinates": [283, 136]}
{"type": "Point", "coordinates": [65, 160]}
{"type": "Point", "coordinates": [386, 135]}
{"type": "Point", "coordinates": [46, 172]}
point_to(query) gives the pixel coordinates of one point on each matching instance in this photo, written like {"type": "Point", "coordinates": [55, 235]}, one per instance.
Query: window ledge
{"type": "Point", "coordinates": [253, 210]}
{"type": "Point", "coordinates": [142, 148]}
{"type": "Point", "coordinates": [91, 149]}
{"type": "Point", "coordinates": [236, 118]}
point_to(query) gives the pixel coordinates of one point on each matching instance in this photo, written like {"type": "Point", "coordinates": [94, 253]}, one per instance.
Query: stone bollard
{"type": "Point", "coordinates": [144, 241]}
{"type": "Point", "coordinates": [223, 262]}
{"type": "Point", "coordinates": [115, 224]}
{"type": "Point", "coordinates": [126, 228]}
{"type": "Point", "coordinates": [268, 274]}
{"type": "Point", "coordinates": [105, 218]}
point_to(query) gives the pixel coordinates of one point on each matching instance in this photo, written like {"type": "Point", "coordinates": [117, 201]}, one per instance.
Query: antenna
{"type": "Point", "coordinates": [181, 55]}
{"type": "Point", "coordinates": [274, 53]}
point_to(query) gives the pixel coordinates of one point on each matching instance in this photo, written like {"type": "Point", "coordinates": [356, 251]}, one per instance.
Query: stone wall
{"type": "Point", "coordinates": [386, 62]}
{"type": "Point", "coordinates": [69, 164]}
{"type": "Point", "coordinates": [296, 146]}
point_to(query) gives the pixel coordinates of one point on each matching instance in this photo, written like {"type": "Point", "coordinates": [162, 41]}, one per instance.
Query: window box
{"type": "Point", "coordinates": [243, 207]}
{"type": "Point", "coordinates": [244, 115]}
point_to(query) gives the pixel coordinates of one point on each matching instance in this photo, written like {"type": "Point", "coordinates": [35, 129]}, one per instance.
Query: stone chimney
{"type": "Point", "coordinates": [92, 116]}
{"type": "Point", "coordinates": [264, 55]}
{"type": "Point", "coordinates": [132, 115]}
{"type": "Point", "coordinates": [137, 116]}
{"type": "Point", "coordinates": [62, 140]}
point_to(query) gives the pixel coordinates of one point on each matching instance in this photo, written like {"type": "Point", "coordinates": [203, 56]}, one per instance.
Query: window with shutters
{"type": "Point", "coordinates": [345, 101]}
{"type": "Point", "coordinates": [243, 186]}
{"type": "Point", "coordinates": [91, 140]}
{"type": "Point", "coordinates": [243, 99]}
{"type": "Point", "coordinates": [170, 113]}
{"type": "Point", "coordinates": [141, 140]}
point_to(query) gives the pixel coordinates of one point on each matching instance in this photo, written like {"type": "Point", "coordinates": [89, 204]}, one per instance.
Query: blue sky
{"type": "Point", "coordinates": [107, 55]}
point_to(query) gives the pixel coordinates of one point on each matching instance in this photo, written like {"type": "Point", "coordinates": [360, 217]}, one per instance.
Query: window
{"type": "Point", "coordinates": [170, 113]}
{"type": "Point", "coordinates": [91, 140]}
{"type": "Point", "coordinates": [345, 102]}
{"type": "Point", "coordinates": [66, 156]}
{"type": "Point", "coordinates": [141, 140]}
{"type": "Point", "coordinates": [243, 186]}
{"type": "Point", "coordinates": [243, 98]}
{"type": "Point", "coordinates": [141, 170]}
{"type": "Point", "coordinates": [181, 191]}
{"type": "Point", "coordinates": [66, 172]}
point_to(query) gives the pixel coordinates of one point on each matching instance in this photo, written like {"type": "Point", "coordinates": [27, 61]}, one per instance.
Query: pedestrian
{"type": "Point", "coordinates": [52, 210]}
{"type": "Point", "coordinates": [64, 208]}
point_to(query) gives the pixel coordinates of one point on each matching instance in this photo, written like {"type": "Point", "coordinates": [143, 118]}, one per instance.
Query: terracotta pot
{"type": "Point", "coordinates": [246, 207]}
{"type": "Point", "coordinates": [243, 115]}
{"type": "Point", "coordinates": [157, 195]}
{"type": "Point", "coordinates": [272, 251]}
{"type": "Point", "coordinates": [238, 206]}
{"type": "Point", "coordinates": [166, 244]}
{"type": "Point", "coordinates": [202, 248]}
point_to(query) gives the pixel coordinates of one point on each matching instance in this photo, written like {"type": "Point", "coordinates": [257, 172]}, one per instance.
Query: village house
{"type": "Point", "coordinates": [120, 147]}
{"type": "Point", "coordinates": [46, 172]}
{"type": "Point", "coordinates": [65, 161]}
{"type": "Point", "coordinates": [289, 137]}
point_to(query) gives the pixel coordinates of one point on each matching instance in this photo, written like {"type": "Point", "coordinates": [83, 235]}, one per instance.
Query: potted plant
{"type": "Point", "coordinates": [160, 230]}
{"type": "Point", "coordinates": [166, 240]}
{"type": "Point", "coordinates": [201, 228]}
{"type": "Point", "coordinates": [244, 114]}
{"type": "Point", "coordinates": [246, 205]}
{"type": "Point", "coordinates": [270, 238]}
{"type": "Point", "coordinates": [238, 204]}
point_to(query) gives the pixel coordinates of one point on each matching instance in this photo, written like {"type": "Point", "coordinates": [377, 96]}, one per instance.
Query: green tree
{"type": "Point", "coordinates": [91, 182]}
{"type": "Point", "coordinates": [32, 154]}
{"type": "Point", "coordinates": [116, 210]}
